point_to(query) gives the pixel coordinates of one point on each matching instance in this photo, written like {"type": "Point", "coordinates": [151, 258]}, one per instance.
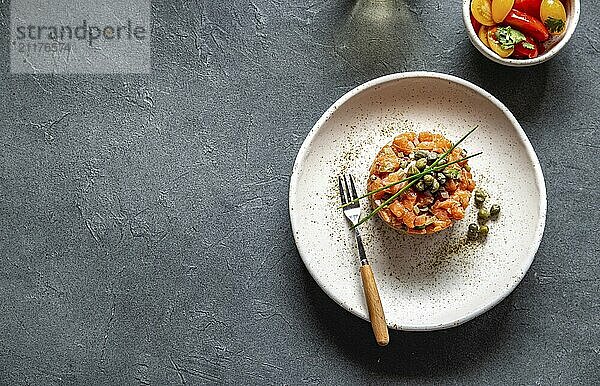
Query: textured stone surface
{"type": "Point", "coordinates": [144, 234]}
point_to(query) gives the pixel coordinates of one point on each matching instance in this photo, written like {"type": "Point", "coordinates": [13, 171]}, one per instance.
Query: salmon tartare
{"type": "Point", "coordinates": [437, 200]}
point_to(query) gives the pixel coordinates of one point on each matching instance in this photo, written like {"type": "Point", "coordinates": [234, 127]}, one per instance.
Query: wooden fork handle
{"type": "Point", "coordinates": [374, 304]}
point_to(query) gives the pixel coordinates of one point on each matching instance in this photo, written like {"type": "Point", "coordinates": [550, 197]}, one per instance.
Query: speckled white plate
{"type": "Point", "coordinates": [425, 282]}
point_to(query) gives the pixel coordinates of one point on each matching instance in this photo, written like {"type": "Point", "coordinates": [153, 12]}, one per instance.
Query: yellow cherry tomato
{"type": "Point", "coordinates": [554, 16]}
{"type": "Point", "coordinates": [482, 11]}
{"type": "Point", "coordinates": [495, 46]}
{"type": "Point", "coordinates": [483, 35]}
{"type": "Point", "coordinates": [501, 8]}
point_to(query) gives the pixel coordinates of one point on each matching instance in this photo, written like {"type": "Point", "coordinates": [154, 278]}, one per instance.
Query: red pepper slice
{"type": "Point", "coordinates": [529, 25]}
{"type": "Point", "coordinates": [530, 7]}
{"type": "Point", "coordinates": [475, 23]}
{"type": "Point", "coordinates": [523, 52]}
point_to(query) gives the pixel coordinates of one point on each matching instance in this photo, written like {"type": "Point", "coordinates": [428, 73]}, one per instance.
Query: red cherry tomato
{"type": "Point", "coordinates": [475, 23]}
{"type": "Point", "coordinates": [496, 46]}
{"type": "Point", "coordinates": [530, 7]}
{"type": "Point", "coordinates": [527, 24]}
{"type": "Point", "coordinates": [523, 52]}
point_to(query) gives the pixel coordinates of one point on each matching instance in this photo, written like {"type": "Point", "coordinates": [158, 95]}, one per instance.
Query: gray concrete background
{"type": "Point", "coordinates": [145, 237]}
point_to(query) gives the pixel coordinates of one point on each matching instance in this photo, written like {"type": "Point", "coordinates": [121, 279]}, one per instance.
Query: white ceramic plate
{"type": "Point", "coordinates": [425, 282]}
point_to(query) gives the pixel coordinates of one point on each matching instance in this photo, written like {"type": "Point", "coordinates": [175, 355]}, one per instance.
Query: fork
{"type": "Point", "coordinates": [352, 213]}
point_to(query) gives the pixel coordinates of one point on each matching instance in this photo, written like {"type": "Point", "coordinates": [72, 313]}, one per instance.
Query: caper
{"type": "Point", "coordinates": [451, 173]}
{"type": "Point", "coordinates": [421, 163]}
{"type": "Point", "coordinates": [431, 157]}
{"type": "Point", "coordinates": [403, 164]}
{"type": "Point", "coordinates": [483, 214]}
{"type": "Point", "coordinates": [473, 231]}
{"type": "Point", "coordinates": [484, 230]}
{"type": "Point", "coordinates": [428, 179]}
{"type": "Point", "coordinates": [494, 210]}
{"type": "Point", "coordinates": [441, 178]}
{"type": "Point", "coordinates": [416, 210]}
{"type": "Point", "coordinates": [420, 186]}
{"type": "Point", "coordinates": [435, 186]}
{"type": "Point", "coordinates": [412, 169]}
{"type": "Point", "coordinates": [480, 193]}
{"type": "Point", "coordinates": [480, 197]}
{"type": "Point", "coordinates": [421, 154]}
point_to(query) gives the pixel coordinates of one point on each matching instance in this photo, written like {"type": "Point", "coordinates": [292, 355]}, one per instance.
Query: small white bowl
{"type": "Point", "coordinates": [572, 7]}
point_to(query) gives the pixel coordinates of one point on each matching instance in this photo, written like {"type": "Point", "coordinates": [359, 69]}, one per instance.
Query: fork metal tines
{"type": "Point", "coordinates": [352, 211]}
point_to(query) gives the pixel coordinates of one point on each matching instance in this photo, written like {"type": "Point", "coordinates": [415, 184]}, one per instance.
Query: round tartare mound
{"type": "Point", "coordinates": [435, 202]}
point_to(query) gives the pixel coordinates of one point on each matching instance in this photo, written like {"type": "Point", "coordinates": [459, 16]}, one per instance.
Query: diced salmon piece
{"type": "Point", "coordinates": [409, 219]}
{"type": "Point", "coordinates": [420, 220]}
{"type": "Point", "coordinates": [446, 204]}
{"type": "Point", "coordinates": [451, 185]}
{"type": "Point", "coordinates": [456, 154]}
{"type": "Point", "coordinates": [441, 215]}
{"type": "Point", "coordinates": [397, 209]}
{"type": "Point", "coordinates": [443, 144]}
{"type": "Point", "coordinates": [385, 215]}
{"type": "Point", "coordinates": [374, 185]}
{"type": "Point", "coordinates": [427, 145]}
{"type": "Point", "coordinates": [390, 179]}
{"type": "Point", "coordinates": [425, 136]}
{"type": "Point", "coordinates": [457, 212]}
{"type": "Point", "coordinates": [403, 145]}
{"type": "Point", "coordinates": [410, 135]}
{"type": "Point", "coordinates": [466, 181]}
{"type": "Point", "coordinates": [386, 162]}
{"type": "Point", "coordinates": [463, 197]}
